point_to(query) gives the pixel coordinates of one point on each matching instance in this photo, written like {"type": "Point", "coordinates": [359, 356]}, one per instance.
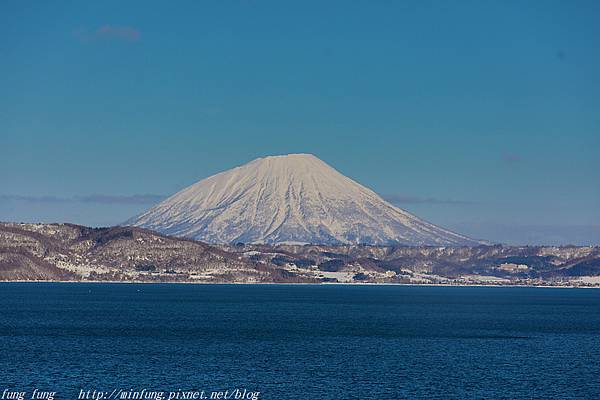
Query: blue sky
{"type": "Point", "coordinates": [481, 116]}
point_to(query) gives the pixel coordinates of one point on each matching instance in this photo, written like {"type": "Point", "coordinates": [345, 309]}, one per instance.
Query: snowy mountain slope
{"type": "Point", "coordinates": [296, 198]}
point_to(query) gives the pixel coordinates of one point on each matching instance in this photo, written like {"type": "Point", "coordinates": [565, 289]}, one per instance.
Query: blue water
{"type": "Point", "coordinates": [302, 342]}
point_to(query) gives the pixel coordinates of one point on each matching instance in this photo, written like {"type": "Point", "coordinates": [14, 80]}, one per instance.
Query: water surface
{"type": "Point", "coordinates": [302, 341]}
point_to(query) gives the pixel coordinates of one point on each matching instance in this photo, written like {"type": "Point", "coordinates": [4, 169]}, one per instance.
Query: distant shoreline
{"type": "Point", "coordinates": [308, 284]}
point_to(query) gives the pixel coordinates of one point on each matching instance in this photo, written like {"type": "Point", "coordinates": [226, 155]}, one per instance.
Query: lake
{"type": "Point", "coordinates": [299, 341]}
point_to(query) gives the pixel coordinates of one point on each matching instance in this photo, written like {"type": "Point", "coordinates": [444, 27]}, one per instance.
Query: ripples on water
{"type": "Point", "coordinates": [303, 342]}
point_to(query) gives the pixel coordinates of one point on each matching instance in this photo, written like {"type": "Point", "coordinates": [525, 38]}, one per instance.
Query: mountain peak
{"type": "Point", "coordinates": [293, 198]}
{"type": "Point", "coordinates": [289, 159]}
{"type": "Point", "coordinates": [292, 156]}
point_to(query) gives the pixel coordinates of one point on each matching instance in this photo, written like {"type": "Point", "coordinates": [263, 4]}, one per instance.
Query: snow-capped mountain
{"type": "Point", "coordinates": [295, 198]}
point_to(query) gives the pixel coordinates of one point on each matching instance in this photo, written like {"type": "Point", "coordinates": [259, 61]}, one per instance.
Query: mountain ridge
{"type": "Point", "coordinates": [68, 252]}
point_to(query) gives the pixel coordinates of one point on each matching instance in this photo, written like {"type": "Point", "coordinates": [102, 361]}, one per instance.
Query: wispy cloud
{"type": "Point", "coordinates": [123, 33]}
{"type": "Point", "coordinates": [511, 158]}
{"type": "Point", "coordinates": [133, 199]}
{"type": "Point", "coordinates": [408, 199]}
{"type": "Point", "coordinates": [119, 32]}
{"type": "Point", "coordinates": [32, 199]}
{"type": "Point", "coordinates": [93, 198]}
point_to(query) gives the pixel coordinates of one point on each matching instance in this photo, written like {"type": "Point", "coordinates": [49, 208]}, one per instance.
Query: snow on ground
{"type": "Point", "coordinates": [589, 280]}
{"type": "Point", "coordinates": [484, 279]}
{"type": "Point", "coordinates": [80, 269]}
{"type": "Point", "coordinates": [345, 276]}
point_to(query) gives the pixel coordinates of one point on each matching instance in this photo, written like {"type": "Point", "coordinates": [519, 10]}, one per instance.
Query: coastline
{"type": "Point", "coordinates": [307, 284]}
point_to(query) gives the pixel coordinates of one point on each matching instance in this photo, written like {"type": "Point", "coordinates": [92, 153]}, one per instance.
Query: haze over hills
{"type": "Point", "coordinates": [295, 198]}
